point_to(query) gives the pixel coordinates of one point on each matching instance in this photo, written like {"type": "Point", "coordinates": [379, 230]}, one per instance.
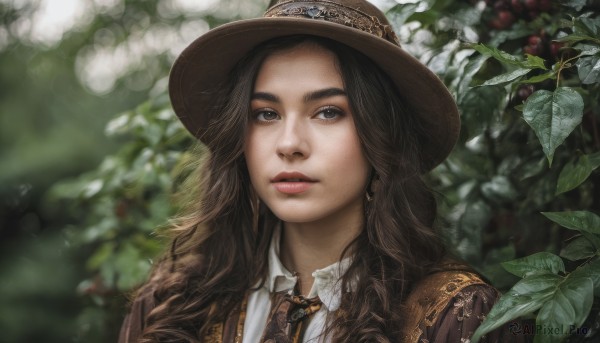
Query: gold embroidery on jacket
{"type": "Point", "coordinates": [428, 299]}
{"type": "Point", "coordinates": [215, 334]}
{"type": "Point", "coordinates": [431, 296]}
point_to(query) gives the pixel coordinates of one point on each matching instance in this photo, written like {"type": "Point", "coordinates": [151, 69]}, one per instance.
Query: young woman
{"type": "Point", "coordinates": [312, 222]}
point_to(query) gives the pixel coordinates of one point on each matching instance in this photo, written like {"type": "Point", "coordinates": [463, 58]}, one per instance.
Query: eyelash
{"type": "Point", "coordinates": [321, 111]}
{"type": "Point", "coordinates": [331, 110]}
{"type": "Point", "coordinates": [262, 112]}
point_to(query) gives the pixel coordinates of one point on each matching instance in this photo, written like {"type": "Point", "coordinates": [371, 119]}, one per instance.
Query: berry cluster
{"type": "Point", "coordinates": [502, 14]}
{"type": "Point", "coordinates": [506, 12]}
{"type": "Point", "coordinates": [541, 45]}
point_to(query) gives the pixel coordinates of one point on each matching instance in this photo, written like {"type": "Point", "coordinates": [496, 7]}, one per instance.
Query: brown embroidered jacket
{"type": "Point", "coordinates": [446, 306]}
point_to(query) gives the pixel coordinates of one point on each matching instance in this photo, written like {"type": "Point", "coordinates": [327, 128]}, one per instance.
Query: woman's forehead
{"type": "Point", "coordinates": [303, 62]}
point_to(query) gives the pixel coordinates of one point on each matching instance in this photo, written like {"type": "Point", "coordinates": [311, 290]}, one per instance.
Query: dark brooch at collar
{"type": "Point", "coordinates": [302, 307]}
{"type": "Point", "coordinates": [335, 13]}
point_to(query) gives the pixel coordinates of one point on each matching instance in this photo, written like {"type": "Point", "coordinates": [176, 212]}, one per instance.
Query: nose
{"type": "Point", "coordinates": [293, 140]}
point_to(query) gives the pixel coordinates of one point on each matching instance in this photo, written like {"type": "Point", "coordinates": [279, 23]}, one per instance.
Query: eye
{"type": "Point", "coordinates": [265, 115]}
{"type": "Point", "coordinates": [329, 113]}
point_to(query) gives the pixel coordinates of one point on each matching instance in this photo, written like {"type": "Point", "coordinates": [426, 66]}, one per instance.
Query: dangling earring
{"type": "Point", "coordinates": [369, 195]}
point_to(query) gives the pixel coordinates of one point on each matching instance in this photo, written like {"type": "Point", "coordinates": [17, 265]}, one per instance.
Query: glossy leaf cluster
{"type": "Point", "coordinates": [520, 191]}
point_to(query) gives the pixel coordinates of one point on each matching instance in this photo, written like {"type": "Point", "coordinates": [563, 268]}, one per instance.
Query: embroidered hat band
{"type": "Point", "coordinates": [336, 13]}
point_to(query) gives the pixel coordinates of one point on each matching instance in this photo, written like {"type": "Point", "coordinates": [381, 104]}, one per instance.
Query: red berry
{"type": "Point", "coordinates": [555, 48]}
{"type": "Point", "coordinates": [525, 91]}
{"type": "Point", "coordinates": [495, 24]}
{"type": "Point", "coordinates": [534, 40]}
{"type": "Point", "coordinates": [506, 18]}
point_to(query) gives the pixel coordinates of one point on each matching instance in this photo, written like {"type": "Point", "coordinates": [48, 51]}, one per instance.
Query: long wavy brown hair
{"type": "Point", "coordinates": [220, 247]}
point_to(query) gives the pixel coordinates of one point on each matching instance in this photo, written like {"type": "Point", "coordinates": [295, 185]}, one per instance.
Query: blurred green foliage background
{"type": "Point", "coordinates": [66, 69]}
{"type": "Point", "coordinates": [92, 156]}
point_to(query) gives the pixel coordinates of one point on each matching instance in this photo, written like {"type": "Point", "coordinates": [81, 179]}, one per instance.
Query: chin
{"type": "Point", "coordinates": [296, 215]}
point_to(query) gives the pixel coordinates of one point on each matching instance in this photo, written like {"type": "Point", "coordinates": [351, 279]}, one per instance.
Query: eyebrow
{"type": "Point", "coordinates": [311, 96]}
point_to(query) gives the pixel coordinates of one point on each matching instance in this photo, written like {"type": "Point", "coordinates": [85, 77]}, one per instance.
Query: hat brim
{"type": "Point", "coordinates": [207, 61]}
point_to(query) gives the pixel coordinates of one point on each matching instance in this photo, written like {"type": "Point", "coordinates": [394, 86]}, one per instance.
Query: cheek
{"type": "Point", "coordinates": [351, 161]}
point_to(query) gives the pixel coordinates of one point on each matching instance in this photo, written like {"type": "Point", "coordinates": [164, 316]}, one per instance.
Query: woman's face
{"type": "Point", "coordinates": [302, 151]}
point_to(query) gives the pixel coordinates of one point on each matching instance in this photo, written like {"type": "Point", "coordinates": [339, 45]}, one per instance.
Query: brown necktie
{"type": "Point", "coordinates": [287, 314]}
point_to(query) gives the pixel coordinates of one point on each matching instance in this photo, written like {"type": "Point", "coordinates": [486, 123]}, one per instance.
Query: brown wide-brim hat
{"type": "Point", "coordinates": [208, 60]}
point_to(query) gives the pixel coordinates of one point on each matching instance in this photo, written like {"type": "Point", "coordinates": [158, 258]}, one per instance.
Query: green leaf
{"type": "Point", "coordinates": [538, 263]}
{"type": "Point", "coordinates": [506, 77]}
{"type": "Point", "coordinates": [553, 116]}
{"type": "Point", "coordinates": [576, 4]}
{"type": "Point", "coordinates": [535, 62]}
{"type": "Point", "coordinates": [131, 268]}
{"type": "Point", "coordinates": [401, 12]}
{"type": "Point", "coordinates": [532, 168]}
{"type": "Point", "coordinates": [92, 188]}
{"type": "Point", "coordinates": [573, 174]}
{"type": "Point", "coordinates": [101, 255]}
{"type": "Point", "coordinates": [575, 38]}
{"type": "Point", "coordinates": [492, 268]}
{"type": "Point", "coordinates": [539, 78]}
{"type": "Point", "coordinates": [469, 16]}
{"type": "Point", "coordinates": [479, 106]}
{"type": "Point", "coordinates": [588, 69]}
{"type": "Point", "coordinates": [593, 238]}
{"type": "Point", "coordinates": [576, 220]}
{"type": "Point", "coordinates": [475, 63]}
{"type": "Point", "coordinates": [506, 58]}
{"type": "Point", "coordinates": [594, 160]}
{"type": "Point", "coordinates": [525, 297]}
{"type": "Point", "coordinates": [499, 189]}
{"type": "Point", "coordinates": [118, 124]}
{"type": "Point", "coordinates": [587, 26]}
{"type": "Point", "coordinates": [467, 240]}
{"type": "Point", "coordinates": [587, 49]}
{"type": "Point", "coordinates": [578, 249]}
{"type": "Point", "coordinates": [500, 55]}
{"type": "Point", "coordinates": [589, 270]}
{"type": "Point", "coordinates": [568, 307]}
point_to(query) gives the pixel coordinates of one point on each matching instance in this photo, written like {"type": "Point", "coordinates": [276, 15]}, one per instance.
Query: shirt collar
{"type": "Point", "coordinates": [279, 278]}
{"type": "Point", "coordinates": [327, 283]}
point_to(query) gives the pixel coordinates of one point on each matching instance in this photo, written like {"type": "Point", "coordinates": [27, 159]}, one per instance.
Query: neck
{"type": "Point", "coordinates": [306, 247]}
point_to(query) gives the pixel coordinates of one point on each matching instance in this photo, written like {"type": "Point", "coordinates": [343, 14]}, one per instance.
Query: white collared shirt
{"type": "Point", "coordinates": [327, 286]}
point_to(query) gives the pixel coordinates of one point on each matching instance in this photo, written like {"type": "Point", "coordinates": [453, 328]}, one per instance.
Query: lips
{"type": "Point", "coordinates": [292, 177]}
{"type": "Point", "coordinates": [292, 182]}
